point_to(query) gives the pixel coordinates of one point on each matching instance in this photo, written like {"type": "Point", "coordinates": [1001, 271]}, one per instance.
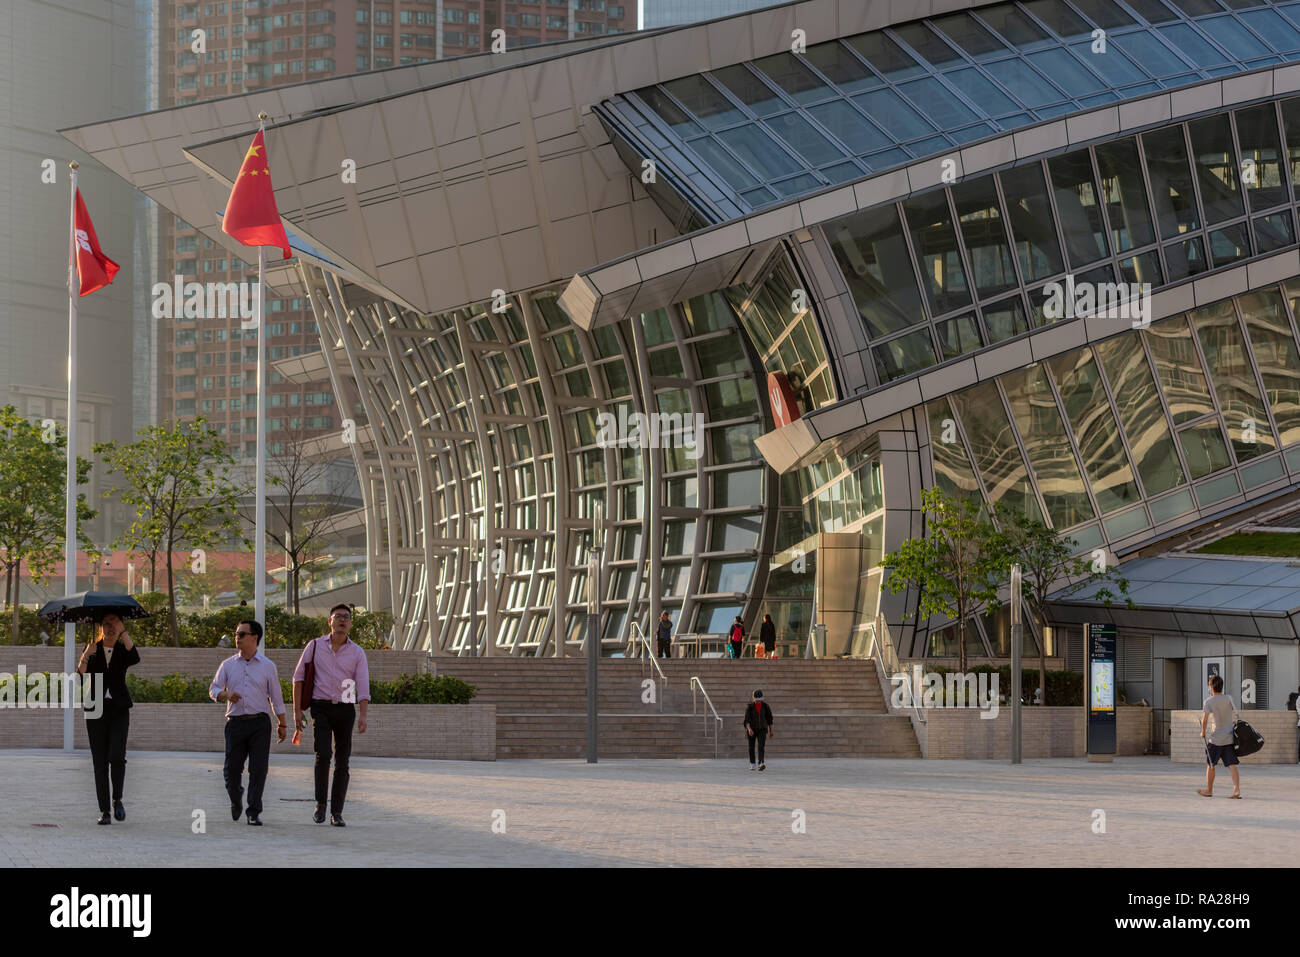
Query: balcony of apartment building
{"type": "Point", "coordinates": [188, 16]}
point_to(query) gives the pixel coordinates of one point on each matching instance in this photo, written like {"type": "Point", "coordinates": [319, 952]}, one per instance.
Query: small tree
{"type": "Point", "coordinates": [33, 465]}
{"type": "Point", "coordinates": [956, 566]}
{"type": "Point", "coordinates": [178, 479]}
{"type": "Point", "coordinates": [1047, 559]}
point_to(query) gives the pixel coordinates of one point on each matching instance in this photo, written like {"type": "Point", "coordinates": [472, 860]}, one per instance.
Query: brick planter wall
{"type": "Point", "coordinates": [156, 661]}
{"type": "Point", "coordinates": [450, 732]}
{"type": "Point", "coordinates": [1277, 727]}
{"type": "Point", "coordinates": [1045, 733]}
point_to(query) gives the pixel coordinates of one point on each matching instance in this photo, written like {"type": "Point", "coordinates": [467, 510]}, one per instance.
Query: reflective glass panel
{"type": "Point", "coordinates": [1088, 411]}
{"type": "Point", "coordinates": [670, 112]}
{"type": "Point", "coordinates": [799, 134]}
{"type": "Point", "coordinates": [983, 92]}
{"type": "Point", "coordinates": [792, 76]}
{"type": "Point", "coordinates": [1031, 222]}
{"type": "Point", "coordinates": [749, 89]}
{"type": "Point", "coordinates": [963, 30]}
{"type": "Point", "coordinates": [935, 243]}
{"type": "Point", "coordinates": [851, 128]}
{"type": "Point", "coordinates": [937, 103]}
{"type": "Point", "coordinates": [702, 99]}
{"type": "Point", "coordinates": [1144, 267]}
{"type": "Point", "coordinates": [1179, 369]}
{"type": "Point", "coordinates": [1203, 448]}
{"type": "Point", "coordinates": [841, 67]}
{"type": "Point", "coordinates": [904, 355]}
{"type": "Point", "coordinates": [1060, 18]}
{"type": "Point", "coordinates": [1153, 11]}
{"type": "Point", "coordinates": [1186, 39]}
{"type": "Point", "coordinates": [925, 42]}
{"type": "Point", "coordinates": [886, 56]}
{"type": "Point", "coordinates": [1004, 319]}
{"type": "Point", "coordinates": [1216, 168]}
{"type": "Point", "coordinates": [1229, 244]}
{"type": "Point", "coordinates": [1291, 128]}
{"type": "Point", "coordinates": [873, 257]}
{"type": "Point", "coordinates": [1079, 207]}
{"type": "Point", "coordinates": [1233, 377]}
{"type": "Point", "coordinates": [1238, 41]}
{"type": "Point", "coordinates": [1261, 148]}
{"type": "Point", "coordinates": [1273, 231]}
{"type": "Point", "coordinates": [757, 149]}
{"type": "Point", "coordinates": [1014, 26]}
{"type": "Point", "coordinates": [1033, 406]}
{"type": "Point", "coordinates": [957, 336]}
{"type": "Point", "coordinates": [1149, 53]}
{"type": "Point", "coordinates": [1105, 13]}
{"type": "Point", "coordinates": [1114, 67]}
{"type": "Point", "coordinates": [1125, 194]}
{"type": "Point", "coordinates": [1277, 32]}
{"type": "Point", "coordinates": [1024, 82]}
{"type": "Point", "coordinates": [1274, 349]}
{"type": "Point", "coordinates": [952, 469]}
{"type": "Point", "coordinates": [893, 115]}
{"type": "Point", "coordinates": [1140, 412]}
{"type": "Point", "coordinates": [985, 235]}
{"type": "Point", "coordinates": [1171, 182]}
{"type": "Point", "coordinates": [993, 443]}
{"type": "Point", "coordinates": [1186, 258]}
{"type": "Point", "coordinates": [1066, 72]}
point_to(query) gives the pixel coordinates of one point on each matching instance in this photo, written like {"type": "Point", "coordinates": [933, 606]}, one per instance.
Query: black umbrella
{"type": "Point", "coordinates": [91, 606]}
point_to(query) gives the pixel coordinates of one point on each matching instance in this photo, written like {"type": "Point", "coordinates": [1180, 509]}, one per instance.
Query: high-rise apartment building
{"type": "Point", "coordinates": [670, 13]}
{"type": "Point", "coordinates": [209, 50]}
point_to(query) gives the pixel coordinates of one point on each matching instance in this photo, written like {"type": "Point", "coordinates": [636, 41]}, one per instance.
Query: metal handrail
{"type": "Point", "coordinates": [891, 666]}
{"type": "Point", "coordinates": [717, 727]}
{"type": "Point", "coordinates": [643, 641]}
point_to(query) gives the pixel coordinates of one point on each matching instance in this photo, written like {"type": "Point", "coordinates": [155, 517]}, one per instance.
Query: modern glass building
{"type": "Point", "coordinates": [832, 234]}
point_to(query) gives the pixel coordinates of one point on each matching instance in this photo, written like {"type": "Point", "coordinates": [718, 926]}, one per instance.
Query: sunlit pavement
{"type": "Point", "coordinates": [693, 812]}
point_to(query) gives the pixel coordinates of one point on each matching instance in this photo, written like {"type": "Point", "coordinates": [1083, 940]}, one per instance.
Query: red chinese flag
{"type": "Point", "coordinates": [94, 269]}
{"type": "Point", "coordinates": [251, 216]}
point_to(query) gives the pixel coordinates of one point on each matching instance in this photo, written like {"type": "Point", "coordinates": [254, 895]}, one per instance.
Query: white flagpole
{"type": "Point", "coordinates": [259, 531]}
{"type": "Point", "coordinates": [70, 529]}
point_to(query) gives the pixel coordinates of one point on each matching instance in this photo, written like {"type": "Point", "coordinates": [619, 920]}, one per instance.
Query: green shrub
{"type": "Point", "coordinates": [422, 689]}
{"type": "Point", "coordinates": [169, 689]}
{"type": "Point", "coordinates": [1064, 688]}
{"type": "Point", "coordinates": [370, 629]}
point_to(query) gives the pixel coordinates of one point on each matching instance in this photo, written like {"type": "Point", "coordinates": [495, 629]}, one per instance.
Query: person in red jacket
{"type": "Point", "coordinates": [758, 725]}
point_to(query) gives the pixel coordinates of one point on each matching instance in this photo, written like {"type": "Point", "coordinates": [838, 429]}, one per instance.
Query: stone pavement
{"type": "Point", "coordinates": [621, 813]}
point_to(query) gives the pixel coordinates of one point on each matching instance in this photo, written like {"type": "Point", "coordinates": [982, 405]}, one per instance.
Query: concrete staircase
{"type": "Point", "coordinates": [821, 708]}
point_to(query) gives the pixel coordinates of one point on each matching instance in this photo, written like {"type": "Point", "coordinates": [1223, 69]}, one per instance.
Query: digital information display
{"type": "Point", "coordinates": [1099, 639]}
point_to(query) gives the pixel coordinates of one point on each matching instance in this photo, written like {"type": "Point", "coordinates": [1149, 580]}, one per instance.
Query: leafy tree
{"type": "Point", "coordinates": [33, 463]}
{"type": "Point", "coordinates": [1046, 559]}
{"type": "Point", "coordinates": [178, 478]}
{"type": "Point", "coordinates": [956, 566]}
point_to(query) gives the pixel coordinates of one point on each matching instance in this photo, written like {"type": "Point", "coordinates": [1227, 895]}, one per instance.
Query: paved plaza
{"type": "Point", "coordinates": [620, 813]}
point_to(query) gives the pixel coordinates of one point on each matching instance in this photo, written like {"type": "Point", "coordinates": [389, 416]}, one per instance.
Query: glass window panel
{"type": "Point", "coordinates": [731, 576]}
{"type": "Point", "coordinates": [841, 67]}
{"type": "Point", "coordinates": [967, 33]}
{"type": "Point", "coordinates": [1197, 8]}
{"type": "Point", "coordinates": [1291, 129]}
{"type": "Point", "coordinates": [1186, 258]}
{"type": "Point", "coordinates": [1153, 11]}
{"type": "Point", "coordinates": [935, 243]}
{"type": "Point", "coordinates": [1274, 231]}
{"type": "Point", "coordinates": [891, 60]}
{"type": "Point", "coordinates": [1171, 182]}
{"type": "Point", "coordinates": [1216, 168]}
{"type": "Point", "coordinates": [1171, 506]}
{"type": "Point", "coordinates": [937, 103]}
{"type": "Point", "coordinates": [1104, 13]}
{"type": "Point", "coordinates": [1024, 82]}
{"type": "Point", "coordinates": [1004, 319]}
{"type": "Point", "coordinates": [1185, 38]}
{"type": "Point", "coordinates": [1260, 146]}
{"type": "Point", "coordinates": [1017, 28]}
{"type": "Point", "coordinates": [669, 112]}
{"type": "Point", "coordinates": [1079, 206]}
{"type": "Point", "coordinates": [1203, 448]}
{"type": "Point", "coordinates": [785, 70]}
{"type": "Point", "coordinates": [700, 97]}
{"type": "Point", "coordinates": [1179, 370]}
{"type": "Point", "coordinates": [738, 487]}
{"type": "Point", "coordinates": [893, 115]}
{"type": "Point", "coordinates": [957, 336]}
{"type": "Point", "coordinates": [985, 235]}
{"type": "Point", "coordinates": [1066, 72]}
{"type": "Point", "coordinates": [665, 362]}
{"type": "Point", "coordinates": [1060, 18]}
{"type": "Point", "coordinates": [1126, 524]}
{"type": "Point", "coordinates": [1274, 350]}
{"type": "Point", "coordinates": [731, 399]}
{"type": "Point", "coordinates": [799, 134]}
{"type": "Point", "coordinates": [1088, 410]}
{"type": "Point", "coordinates": [1143, 417]}
{"type": "Point", "coordinates": [952, 469]}
{"type": "Point", "coordinates": [715, 619]}
{"type": "Point", "coordinates": [735, 443]}
{"type": "Point", "coordinates": [749, 89]}
{"type": "Point", "coordinates": [1032, 224]}
{"type": "Point", "coordinates": [873, 257]}
{"type": "Point", "coordinates": [993, 444]}
{"type": "Point", "coordinates": [1229, 244]}
{"type": "Point", "coordinates": [756, 147]}
{"type": "Point", "coordinates": [1039, 422]}
{"type": "Point", "coordinates": [720, 357]}
{"type": "Point", "coordinates": [1144, 267]}
{"type": "Point", "coordinates": [849, 126]}
{"type": "Point", "coordinates": [1277, 32]}
{"type": "Point", "coordinates": [983, 92]}
{"type": "Point", "coordinates": [1150, 54]}
{"type": "Point", "coordinates": [1239, 41]}
{"type": "Point", "coordinates": [735, 532]}
{"type": "Point", "coordinates": [904, 355]}
{"type": "Point", "coordinates": [887, 158]}
{"type": "Point", "coordinates": [925, 42]}
{"type": "Point", "coordinates": [1114, 67]}
{"type": "Point", "coordinates": [724, 164]}
{"type": "Point", "coordinates": [1233, 377]}
{"type": "Point", "coordinates": [797, 184]}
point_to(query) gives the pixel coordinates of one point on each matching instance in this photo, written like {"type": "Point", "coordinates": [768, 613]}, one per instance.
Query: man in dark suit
{"type": "Point", "coordinates": [758, 725]}
{"type": "Point", "coordinates": [110, 655]}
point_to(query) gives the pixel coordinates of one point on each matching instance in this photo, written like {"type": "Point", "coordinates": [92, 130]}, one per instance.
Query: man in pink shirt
{"type": "Point", "coordinates": [341, 680]}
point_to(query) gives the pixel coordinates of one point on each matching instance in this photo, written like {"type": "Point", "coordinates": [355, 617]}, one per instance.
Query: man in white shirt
{"type": "Point", "coordinates": [1219, 746]}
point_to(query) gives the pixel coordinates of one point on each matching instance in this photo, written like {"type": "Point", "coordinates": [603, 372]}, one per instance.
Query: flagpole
{"type": "Point", "coordinates": [70, 507]}
{"type": "Point", "coordinates": [259, 532]}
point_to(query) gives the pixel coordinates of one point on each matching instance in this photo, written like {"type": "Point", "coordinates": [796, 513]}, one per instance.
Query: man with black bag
{"type": "Point", "coordinates": [1219, 744]}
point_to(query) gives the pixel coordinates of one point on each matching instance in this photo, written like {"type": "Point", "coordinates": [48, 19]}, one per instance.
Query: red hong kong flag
{"type": "Point", "coordinates": [94, 269]}
{"type": "Point", "coordinates": [251, 216]}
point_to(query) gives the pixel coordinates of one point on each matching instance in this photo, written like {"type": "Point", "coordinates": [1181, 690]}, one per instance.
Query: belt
{"type": "Point", "coordinates": [328, 701]}
{"type": "Point", "coordinates": [241, 717]}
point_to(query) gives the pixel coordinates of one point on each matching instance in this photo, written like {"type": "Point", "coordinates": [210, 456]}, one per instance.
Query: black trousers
{"type": "Point", "coordinates": [335, 720]}
{"type": "Point", "coordinates": [248, 737]}
{"type": "Point", "coordinates": [107, 735]}
{"type": "Point", "coordinates": [665, 648]}
{"type": "Point", "coordinates": [759, 738]}
{"type": "Point", "coordinates": [736, 646]}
